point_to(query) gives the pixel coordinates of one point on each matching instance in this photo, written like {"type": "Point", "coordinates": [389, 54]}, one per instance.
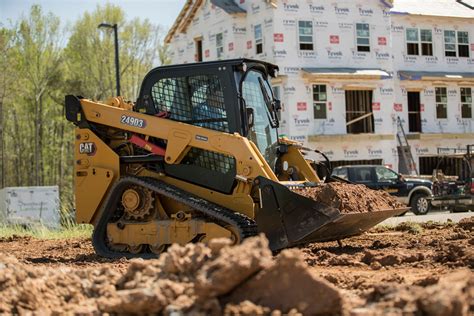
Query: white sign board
{"type": "Point", "coordinates": [30, 205]}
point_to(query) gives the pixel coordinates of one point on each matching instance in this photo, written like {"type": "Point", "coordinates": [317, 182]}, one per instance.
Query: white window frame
{"type": "Point", "coordinates": [220, 48]}
{"type": "Point", "coordinates": [408, 41]}
{"type": "Point", "coordinates": [456, 43]}
{"type": "Point", "coordinates": [299, 36]}
{"type": "Point", "coordinates": [441, 103]}
{"type": "Point", "coordinates": [419, 41]}
{"type": "Point", "coordinates": [446, 43]}
{"type": "Point", "coordinates": [426, 42]}
{"type": "Point", "coordinates": [320, 102]}
{"type": "Point", "coordinates": [258, 41]}
{"type": "Point", "coordinates": [357, 37]}
{"type": "Point", "coordinates": [464, 44]}
{"type": "Point", "coordinates": [467, 102]}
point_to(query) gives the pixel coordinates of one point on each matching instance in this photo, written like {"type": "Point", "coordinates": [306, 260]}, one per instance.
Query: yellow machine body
{"type": "Point", "coordinates": [138, 208]}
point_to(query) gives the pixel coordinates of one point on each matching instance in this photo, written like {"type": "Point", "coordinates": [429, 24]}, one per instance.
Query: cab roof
{"type": "Point", "coordinates": [269, 67]}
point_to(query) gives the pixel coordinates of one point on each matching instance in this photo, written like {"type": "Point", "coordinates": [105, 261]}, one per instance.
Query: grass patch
{"type": "Point", "coordinates": [68, 228]}
{"type": "Point", "coordinates": [434, 225]}
{"type": "Point", "coordinates": [43, 232]}
{"type": "Point", "coordinates": [382, 228]}
{"type": "Point", "coordinates": [411, 227]}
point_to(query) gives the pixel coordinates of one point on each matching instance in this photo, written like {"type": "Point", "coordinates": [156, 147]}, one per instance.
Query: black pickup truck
{"type": "Point", "coordinates": [416, 193]}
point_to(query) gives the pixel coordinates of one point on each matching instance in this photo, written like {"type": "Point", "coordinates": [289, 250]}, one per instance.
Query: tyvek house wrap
{"type": "Point", "coordinates": [334, 40]}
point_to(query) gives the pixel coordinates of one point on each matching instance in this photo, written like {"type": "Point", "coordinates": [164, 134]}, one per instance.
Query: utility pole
{"type": "Point", "coordinates": [117, 64]}
{"type": "Point", "coordinates": [2, 145]}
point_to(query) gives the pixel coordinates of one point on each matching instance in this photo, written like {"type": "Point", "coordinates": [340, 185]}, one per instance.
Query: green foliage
{"type": "Point", "coordinates": [382, 228]}
{"type": "Point", "coordinates": [40, 62]}
{"type": "Point", "coordinates": [90, 54]}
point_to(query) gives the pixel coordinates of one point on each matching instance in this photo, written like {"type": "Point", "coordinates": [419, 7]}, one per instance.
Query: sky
{"type": "Point", "coordinates": [161, 12]}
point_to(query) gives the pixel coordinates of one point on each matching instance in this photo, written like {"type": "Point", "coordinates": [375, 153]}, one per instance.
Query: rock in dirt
{"type": "Point", "coordinates": [289, 283]}
{"type": "Point", "coordinates": [351, 198]}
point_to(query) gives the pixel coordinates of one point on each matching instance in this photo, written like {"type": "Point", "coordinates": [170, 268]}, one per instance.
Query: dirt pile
{"type": "Point", "coordinates": [351, 198]}
{"type": "Point", "coordinates": [193, 279]}
{"type": "Point", "coordinates": [452, 294]}
{"type": "Point", "coordinates": [384, 271]}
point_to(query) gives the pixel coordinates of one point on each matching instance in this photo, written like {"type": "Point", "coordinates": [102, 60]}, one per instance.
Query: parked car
{"type": "Point", "coordinates": [415, 193]}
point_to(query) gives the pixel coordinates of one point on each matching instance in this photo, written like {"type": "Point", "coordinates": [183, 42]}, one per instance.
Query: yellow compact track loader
{"type": "Point", "coordinates": [197, 157]}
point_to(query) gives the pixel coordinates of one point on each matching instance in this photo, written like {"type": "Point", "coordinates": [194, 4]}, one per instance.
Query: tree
{"type": "Point", "coordinates": [37, 70]}
{"type": "Point", "coordinates": [164, 54]}
{"type": "Point", "coordinates": [90, 53]}
{"type": "Point", "coordinates": [7, 78]}
{"type": "Point", "coordinates": [39, 45]}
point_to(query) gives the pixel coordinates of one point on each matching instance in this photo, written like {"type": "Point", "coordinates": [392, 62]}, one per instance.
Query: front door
{"type": "Point", "coordinates": [414, 112]}
{"type": "Point", "coordinates": [389, 181]}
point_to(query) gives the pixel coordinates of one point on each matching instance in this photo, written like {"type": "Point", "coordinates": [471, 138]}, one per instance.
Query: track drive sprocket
{"type": "Point", "coordinates": [137, 202]}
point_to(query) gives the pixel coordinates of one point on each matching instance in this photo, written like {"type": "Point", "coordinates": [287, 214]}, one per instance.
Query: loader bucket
{"type": "Point", "coordinates": [289, 219]}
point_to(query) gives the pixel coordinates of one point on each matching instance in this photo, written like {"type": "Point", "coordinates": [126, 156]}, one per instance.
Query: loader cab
{"type": "Point", "coordinates": [184, 91]}
{"type": "Point", "coordinates": [231, 96]}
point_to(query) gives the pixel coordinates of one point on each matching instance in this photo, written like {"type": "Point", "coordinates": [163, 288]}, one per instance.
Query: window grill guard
{"type": "Point", "coordinates": [210, 160]}
{"type": "Point", "coordinates": [196, 100]}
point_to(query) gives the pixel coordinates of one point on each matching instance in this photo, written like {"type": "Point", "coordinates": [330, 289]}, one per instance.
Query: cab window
{"type": "Point", "coordinates": [385, 174]}
{"type": "Point", "coordinates": [362, 175]}
{"type": "Point", "coordinates": [341, 173]}
{"type": "Point", "coordinates": [196, 100]}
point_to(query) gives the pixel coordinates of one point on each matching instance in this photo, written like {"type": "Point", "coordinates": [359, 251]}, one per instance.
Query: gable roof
{"type": "Point", "coordinates": [448, 8]}
{"type": "Point", "coordinates": [189, 10]}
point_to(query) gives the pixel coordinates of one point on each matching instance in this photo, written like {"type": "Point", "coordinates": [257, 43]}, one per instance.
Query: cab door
{"type": "Point", "coordinates": [389, 181]}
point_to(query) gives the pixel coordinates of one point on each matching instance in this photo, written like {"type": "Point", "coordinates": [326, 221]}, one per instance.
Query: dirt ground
{"type": "Point", "coordinates": [410, 270]}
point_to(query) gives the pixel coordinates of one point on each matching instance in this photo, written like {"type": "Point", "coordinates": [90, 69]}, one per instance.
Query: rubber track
{"type": "Point", "coordinates": [245, 226]}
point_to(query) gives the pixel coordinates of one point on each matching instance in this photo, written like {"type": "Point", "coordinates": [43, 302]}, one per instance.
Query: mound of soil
{"type": "Point", "coordinates": [193, 279]}
{"type": "Point", "coordinates": [351, 198]}
{"type": "Point", "coordinates": [452, 294]}
{"type": "Point", "coordinates": [378, 273]}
